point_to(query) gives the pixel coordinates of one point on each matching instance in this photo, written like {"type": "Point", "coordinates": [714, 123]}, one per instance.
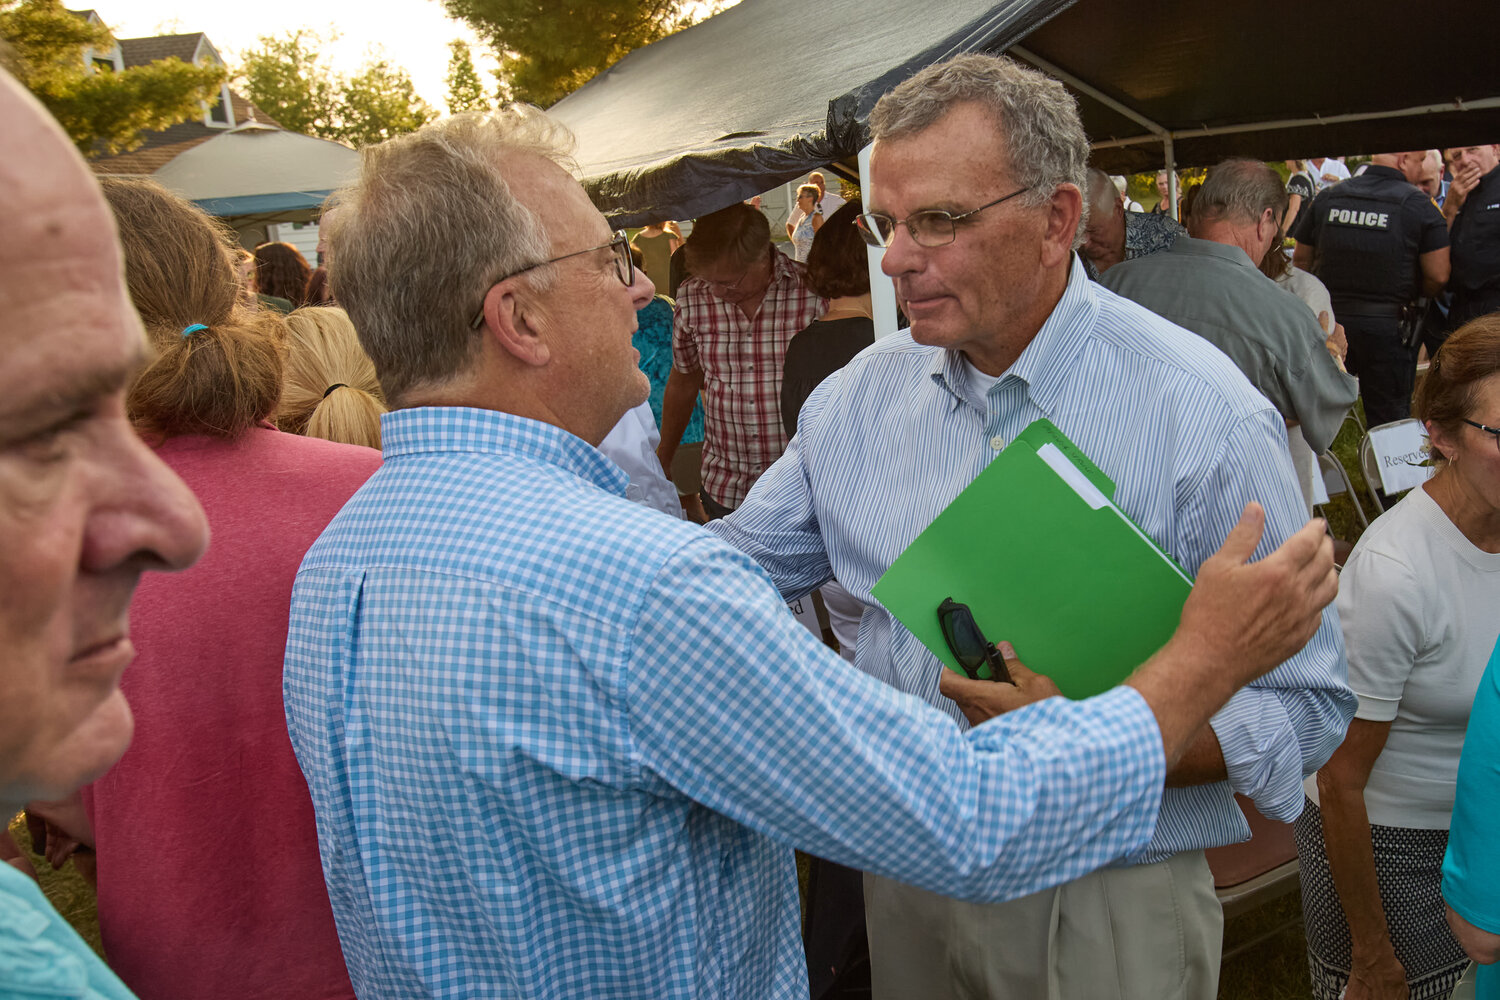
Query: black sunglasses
{"type": "Point", "coordinates": [968, 645]}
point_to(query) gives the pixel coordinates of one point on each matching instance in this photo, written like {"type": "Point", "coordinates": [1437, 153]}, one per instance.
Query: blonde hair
{"type": "Point", "coordinates": [330, 391]}
{"type": "Point", "coordinates": [216, 368]}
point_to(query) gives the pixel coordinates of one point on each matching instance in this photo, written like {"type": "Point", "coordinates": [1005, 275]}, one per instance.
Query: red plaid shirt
{"type": "Point", "coordinates": [741, 363]}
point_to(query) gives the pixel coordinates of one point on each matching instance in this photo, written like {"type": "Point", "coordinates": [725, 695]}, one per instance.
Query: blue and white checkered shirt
{"type": "Point", "coordinates": [884, 445]}
{"type": "Point", "coordinates": [560, 744]}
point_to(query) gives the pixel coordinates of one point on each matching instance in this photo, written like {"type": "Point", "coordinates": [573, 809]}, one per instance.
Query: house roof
{"type": "Point", "coordinates": [161, 148]}
{"type": "Point", "coordinates": [143, 51]}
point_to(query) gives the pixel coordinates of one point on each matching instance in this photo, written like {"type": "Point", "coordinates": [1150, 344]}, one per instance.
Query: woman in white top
{"type": "Point", "coordinates": [1420, 604]}
{"type": "Point", "coordinates": [803, 227]}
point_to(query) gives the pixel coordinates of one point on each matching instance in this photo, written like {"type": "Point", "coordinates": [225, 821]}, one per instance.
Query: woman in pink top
{"type": "Point", "coordinates": [208, 871]}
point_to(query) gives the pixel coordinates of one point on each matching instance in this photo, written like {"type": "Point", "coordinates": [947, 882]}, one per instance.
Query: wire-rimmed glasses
{"type": "Point", "coordinates": [624, 267]}
{"type": "Point", "coordinates": [932, 228]}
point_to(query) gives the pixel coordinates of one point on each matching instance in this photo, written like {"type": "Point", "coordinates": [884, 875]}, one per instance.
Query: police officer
{"type": "Point", "coordinates": [1378, 243]}
{"type": "Point", "coordinates": [1473, 213]}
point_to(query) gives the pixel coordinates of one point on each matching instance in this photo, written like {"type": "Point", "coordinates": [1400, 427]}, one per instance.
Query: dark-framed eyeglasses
{"type": "Point", "coordinates": [932, 228]}
{"type": "Point", "coordinates": [624, 267]}
{"type": "Point", "coordinates": [733, 286]}
{"type": "Point", "coordinates": [968, 644]}
{"type": "Point", "coordinates": [1493, 432]}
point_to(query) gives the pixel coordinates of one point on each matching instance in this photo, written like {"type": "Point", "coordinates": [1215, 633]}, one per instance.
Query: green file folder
{"type": "Point", "coordinates": [1045, 561]}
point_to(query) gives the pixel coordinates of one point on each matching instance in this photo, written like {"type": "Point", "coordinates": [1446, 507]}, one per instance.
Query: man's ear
{"type": "Point", "coordinates": [510, 316]}
{"type": "Point", "coordinates": [1063, 212]}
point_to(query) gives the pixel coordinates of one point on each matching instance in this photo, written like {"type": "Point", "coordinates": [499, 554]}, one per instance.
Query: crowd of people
{"type": "Point", "coordinates": [455, 572]}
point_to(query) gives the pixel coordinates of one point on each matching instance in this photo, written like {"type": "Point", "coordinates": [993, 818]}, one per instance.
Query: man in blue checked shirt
{"type": "Point", "coordinates": [561, 745]}
{"type": "Point", "coordinates": [975, 194]}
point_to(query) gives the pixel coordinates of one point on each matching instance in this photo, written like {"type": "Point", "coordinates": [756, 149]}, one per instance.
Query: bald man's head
{"type": "Point", "coordinates": [85, 506]}
{"type": "Point", "coordinates": [1409, 163]}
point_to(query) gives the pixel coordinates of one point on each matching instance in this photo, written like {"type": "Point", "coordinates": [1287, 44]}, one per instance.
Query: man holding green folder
{"type": "Point", "coordinates": [975, 196]}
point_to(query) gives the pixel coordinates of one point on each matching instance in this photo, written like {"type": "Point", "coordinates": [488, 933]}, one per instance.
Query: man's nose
{"type": "Point", "coordinates": [902, 253]}
{"type": "Point", "coordinates": [141, 512]}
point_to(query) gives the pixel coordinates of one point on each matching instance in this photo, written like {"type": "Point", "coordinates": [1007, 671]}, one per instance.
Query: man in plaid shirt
{"type": "Point", "coordinates": [735, 316]}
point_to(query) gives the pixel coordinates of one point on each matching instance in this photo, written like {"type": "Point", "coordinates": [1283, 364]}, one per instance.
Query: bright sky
{"type": "Point", "coordinates": [413, 34]}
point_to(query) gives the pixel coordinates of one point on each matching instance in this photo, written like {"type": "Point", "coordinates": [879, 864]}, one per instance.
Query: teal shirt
{"type": "Point", "coordinates": [1471, 869]}
{"type": "Point", "coordinates": [41, 955]}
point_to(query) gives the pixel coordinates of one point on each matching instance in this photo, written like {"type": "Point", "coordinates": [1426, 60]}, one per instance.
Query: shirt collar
{"type": "Point", "coordinates": [1212, 248]}
{"type": "Point", "coordinates": [460, 429]}
{"type": "Point", "coordinates": [784, 270]}
{"type": "Point", "coordinates": [1045, 362]}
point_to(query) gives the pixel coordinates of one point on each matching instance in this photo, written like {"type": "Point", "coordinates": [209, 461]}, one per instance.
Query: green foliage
{"type": "Point", "coordinates": [288, 77]}
{"type": "Point", "coordinates": [548, 50]}
{"type": "Point", "coordinates": [381, 103]}
{"type": "Point", "coordinates": [101, 111]}
{"type": "Point", "coordinates": [465, 88]}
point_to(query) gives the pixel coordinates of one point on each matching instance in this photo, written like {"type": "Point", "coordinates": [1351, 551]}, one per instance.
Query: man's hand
{"type": "Point", "coordinates": [981, 700]}
{"type": "Point", "coordinates": [1337, 343]}
{"type": "Point", "coordinates": [1465, 179]}
{"type": "Point", "coordinates": [1380, 978]}
{"type": "Point", "coordinates": [1249, 617]}
{"type": "Point", "coordinates": [1241, 620]}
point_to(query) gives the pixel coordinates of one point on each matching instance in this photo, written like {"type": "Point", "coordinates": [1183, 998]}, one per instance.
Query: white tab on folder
{"type": "Point", "coordinates": [1071, 475]}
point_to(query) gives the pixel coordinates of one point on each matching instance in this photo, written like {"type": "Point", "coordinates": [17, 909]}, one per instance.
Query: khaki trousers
{"type": "Point", "coordinates": [1151, 932]}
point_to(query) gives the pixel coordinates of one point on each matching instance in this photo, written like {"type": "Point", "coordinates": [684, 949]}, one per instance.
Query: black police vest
{"type": "Point", "coordinates": [1365, 256]}
{"type": "Point", "coordinates": [1476, 238]}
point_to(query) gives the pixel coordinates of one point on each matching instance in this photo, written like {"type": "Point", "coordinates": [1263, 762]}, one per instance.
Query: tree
{"type": "Point", "coordinates": [102, 112]}
{"type": "Point", "coordinates": [288, 78]}
{"type": "Point", "coordinates": [547, 52]}
{"type": "Point", "coordinates": [380, 103]}
{"type": "Point", "coordinates": [465, 88]}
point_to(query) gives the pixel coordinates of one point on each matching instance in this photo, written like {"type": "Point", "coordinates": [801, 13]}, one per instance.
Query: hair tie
{"type": "Point", "coordinates": [188, 331]}
{"type": "Point", "coordinates": [336, 385]}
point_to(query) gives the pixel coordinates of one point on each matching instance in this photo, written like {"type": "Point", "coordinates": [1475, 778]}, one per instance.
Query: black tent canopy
{"type": "Point", "coordinates": [760, 94]}
{"type": "Point", "coordinates": [1272, 80]}
{"type": "Point", "coordinates": [771, 89]}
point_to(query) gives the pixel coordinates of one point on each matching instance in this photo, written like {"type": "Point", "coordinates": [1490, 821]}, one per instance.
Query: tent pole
{"type": "Point", "coordinates": [882, 289]}
{"type": "Point", "coordinates": [1171, 159]}
{"type": "Point", "coordinates": [1481, 104]}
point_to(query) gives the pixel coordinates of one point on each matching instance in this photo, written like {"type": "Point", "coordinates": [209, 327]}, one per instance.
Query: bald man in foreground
{"type": "Point", "coordinates": [85, 508]}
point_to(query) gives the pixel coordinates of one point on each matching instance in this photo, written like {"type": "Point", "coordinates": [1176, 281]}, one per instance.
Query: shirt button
{"type": "Point", "coordinates": [997, 442]}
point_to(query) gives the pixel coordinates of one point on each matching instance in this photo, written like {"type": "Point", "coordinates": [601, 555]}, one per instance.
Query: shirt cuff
{"type": "Point", "coordinates": [1261, 752]}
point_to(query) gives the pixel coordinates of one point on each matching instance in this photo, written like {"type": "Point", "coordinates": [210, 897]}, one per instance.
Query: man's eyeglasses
{"type": "Point", "coordinates": [968, 645]}
{"type": "Point", "coordinates": [731, 286]}
{"type": "Point", "coordinates": [933, 228]}
{"type": "Point", "coordinates": [624, 268]}
{"type": "Point", "coordinates": [1493, 432]}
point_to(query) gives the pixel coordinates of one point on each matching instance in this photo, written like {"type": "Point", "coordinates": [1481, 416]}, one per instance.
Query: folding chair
{"type": "Point", "coordinates": [1336, 481]}
{"type": "Point", "coordinates": [1393, 445]}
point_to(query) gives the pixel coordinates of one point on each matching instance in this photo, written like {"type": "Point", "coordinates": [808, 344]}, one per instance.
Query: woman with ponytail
{"type": "Point", "coordinates": [208, 872]}
{"type": "Point", "coordinates": [330, 390]}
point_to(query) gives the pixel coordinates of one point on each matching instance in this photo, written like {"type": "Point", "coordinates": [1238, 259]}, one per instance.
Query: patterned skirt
{"type": "Point", "coordinates": [1408, 864]}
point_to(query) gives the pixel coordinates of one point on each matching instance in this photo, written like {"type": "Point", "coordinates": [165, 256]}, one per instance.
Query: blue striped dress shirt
{"type": "Point", "coordinates": [883, 446]}
{"type": "Point", "coordinates": [560, 745]}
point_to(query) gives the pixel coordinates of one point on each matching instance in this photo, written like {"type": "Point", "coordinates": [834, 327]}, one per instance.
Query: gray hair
{"type": "Point", "coordinates": [424, 232]}
{"type": "Point", "coordinates": [1036, 117]}
{"type": "Point", "coordinates": [1240, 190]}
{"type": "Point", "coordinates": [1100, 195]}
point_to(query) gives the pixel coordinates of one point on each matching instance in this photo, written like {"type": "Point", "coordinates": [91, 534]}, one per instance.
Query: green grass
{"type": "Point", "coordinates": [1265, 954]}
{"type": "Point", "coordinates": [70, 895]}
{"type": "Point", "coordinates": [1342, 521]}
